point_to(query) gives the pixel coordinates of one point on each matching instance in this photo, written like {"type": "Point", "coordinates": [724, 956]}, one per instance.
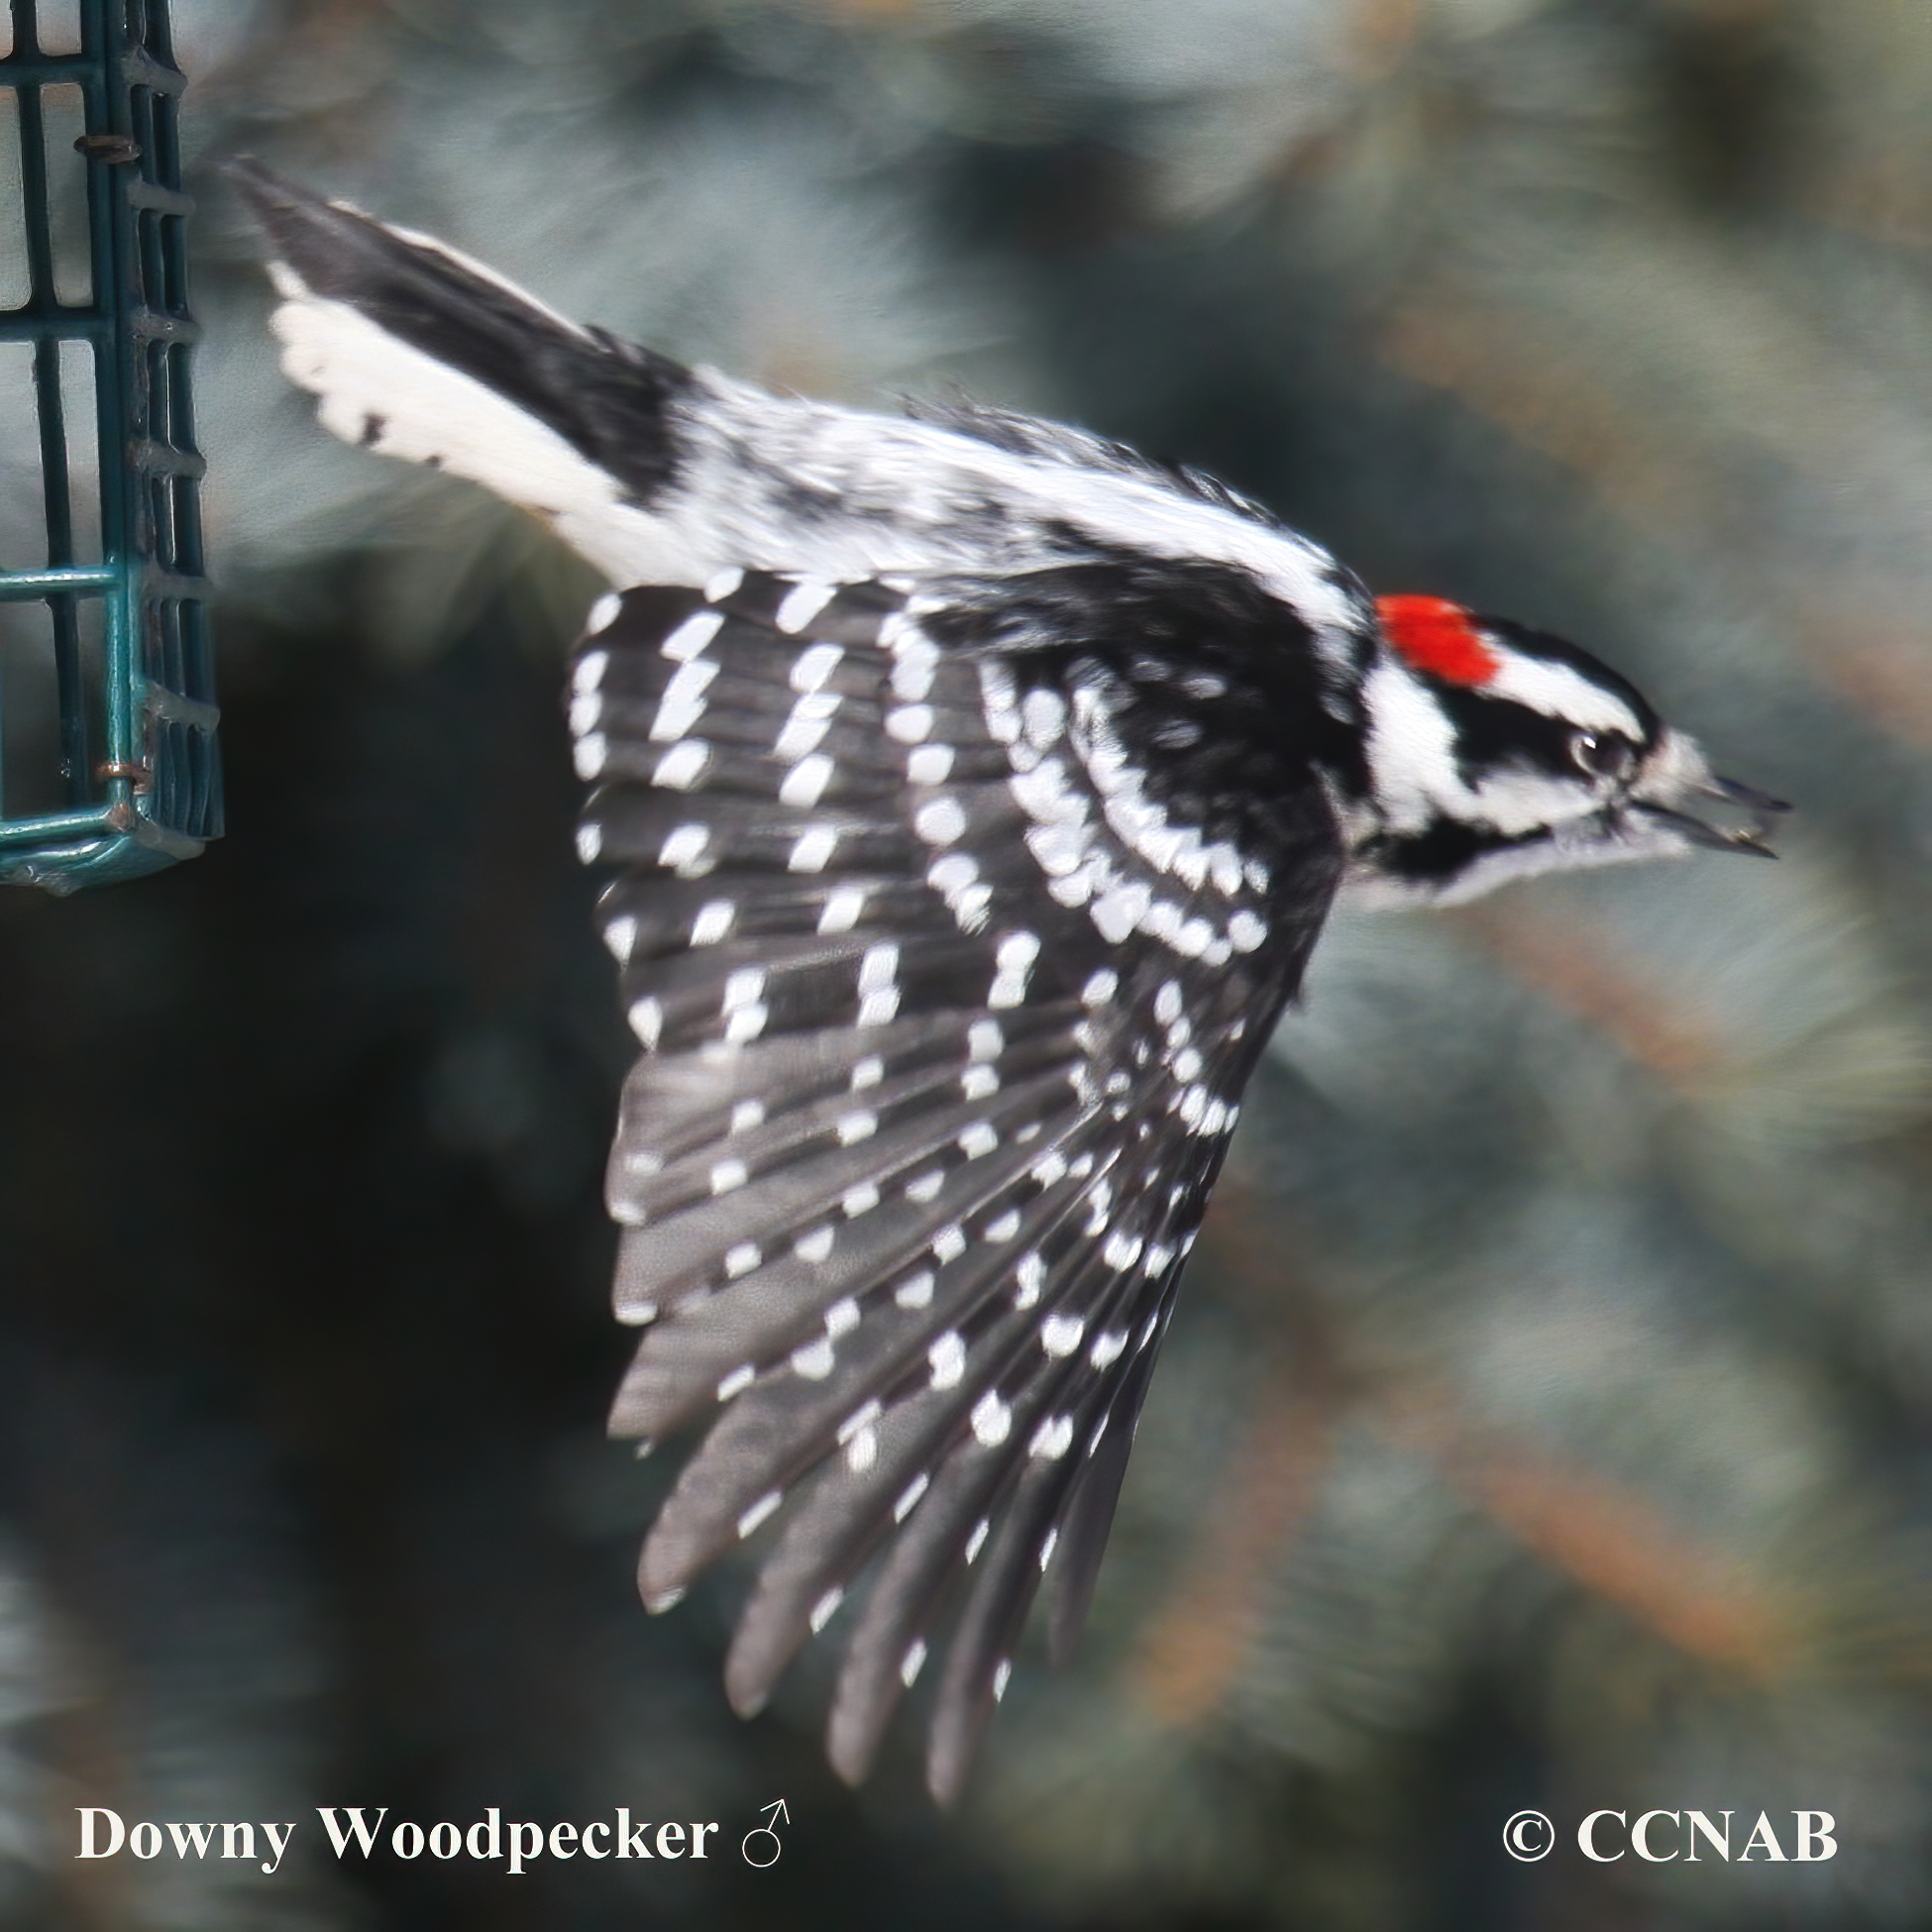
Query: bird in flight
{"type": "Point", "coordinates": [972, 791]}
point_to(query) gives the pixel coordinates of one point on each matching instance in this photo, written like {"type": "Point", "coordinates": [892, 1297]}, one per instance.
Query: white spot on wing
{"type": "Point", "coordinates": [940, 822]}
{"type": "Point", "coordinates": [992, 1421]}
{"type": "Point", "coordinates": [914, 658]}
{"type": "Point", "coordinates": [1245, 931]}
{"type": "Point", "coordinates": [1060, 1334]}
{"type": "Point", "coordinates": [954, 875]}
{"type": "Point", "coordinates": [683, 765]}
{"type": "Point", "coordinates": [802, 602]}
{"type": "Point", "coordinates": [814, 848]}
{"type": "Point", "coordinates": [682, 850]}
{"type": "Point", "coordinates": [930, 763]}
{"type": "Point", "coordinates": [688, 638]}
{"type": "Point", "coordinates": [712, 922]}
{"type": "Point", "coordinates": [804, 728]}
{"type": "Point", "coordinates": [1043, 717]}
{"type": "Point", "coordinates": [843, 909]}
{"type": "Point", "coordinates": [758, 1512]}
{"type": "Point", "coordinates": [862, 1417]}
{"type": "Point", "coordinates": [804, 784]}
{"type": "Point", "coordinates": [815, 663]}
{"type": "Point", "coordinates": [1014, 965]}
{"type": "Point", "coordinates": [1031, 1276]}
{"type": "Point", "coordinates": [815, 1361]}
{"type": "Point", "coordinates": [947, 1358]}
{"type": "Point", "coordinates": [682, 702]}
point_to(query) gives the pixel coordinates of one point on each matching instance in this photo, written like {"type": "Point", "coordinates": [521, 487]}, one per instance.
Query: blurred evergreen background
{"type": "Point", "coordinates": [1550, 1419]}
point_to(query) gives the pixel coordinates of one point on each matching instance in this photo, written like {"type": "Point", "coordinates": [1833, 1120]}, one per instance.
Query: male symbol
{"type": "Point", "coordinates": [763, 1857]}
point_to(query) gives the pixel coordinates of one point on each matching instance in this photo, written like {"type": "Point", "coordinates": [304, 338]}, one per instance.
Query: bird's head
{"type": "Point", "coordinates": [1494, 751]}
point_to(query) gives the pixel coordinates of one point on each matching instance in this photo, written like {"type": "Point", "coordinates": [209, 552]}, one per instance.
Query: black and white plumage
{"type": "Point", "coordinates": [974, 791]}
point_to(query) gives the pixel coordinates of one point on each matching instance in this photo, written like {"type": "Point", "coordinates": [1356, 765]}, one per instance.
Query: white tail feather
{"type": "Point", "coordinates": [377, 392]}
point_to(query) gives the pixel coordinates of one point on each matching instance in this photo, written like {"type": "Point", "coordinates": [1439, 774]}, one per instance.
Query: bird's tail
{"type": "Point", "coordinates": [418, 352]}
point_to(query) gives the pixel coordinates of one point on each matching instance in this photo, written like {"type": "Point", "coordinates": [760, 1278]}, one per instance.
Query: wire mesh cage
{"type": "Point", "coordinates": [108, 759]}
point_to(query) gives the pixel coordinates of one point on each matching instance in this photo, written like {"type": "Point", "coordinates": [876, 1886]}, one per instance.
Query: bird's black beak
{"type": "Point", "coordinates": [1762, 810]}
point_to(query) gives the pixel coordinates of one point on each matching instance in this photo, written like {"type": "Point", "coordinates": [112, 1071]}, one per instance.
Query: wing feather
{"type": "Point", "coordinates": [945, 1017]}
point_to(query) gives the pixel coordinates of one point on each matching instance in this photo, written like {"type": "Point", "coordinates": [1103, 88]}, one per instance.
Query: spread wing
{"type": "Point", "coordinates": [950, 952]}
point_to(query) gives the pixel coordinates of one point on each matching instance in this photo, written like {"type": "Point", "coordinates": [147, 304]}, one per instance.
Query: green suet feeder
{"type": "Point", "coordinates": [108, 764]}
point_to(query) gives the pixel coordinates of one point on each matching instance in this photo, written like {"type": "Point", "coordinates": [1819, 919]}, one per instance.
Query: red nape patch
{"type": "Point", "coordinates": [1439, 637]}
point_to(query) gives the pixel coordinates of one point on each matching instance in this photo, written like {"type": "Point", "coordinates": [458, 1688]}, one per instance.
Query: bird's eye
{"type": "Point", "coordinates": [1602, 754]}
